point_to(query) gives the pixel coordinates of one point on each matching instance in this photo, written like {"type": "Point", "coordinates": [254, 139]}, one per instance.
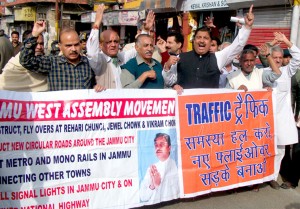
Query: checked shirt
{"type": "Point", "coordinates": [62, 75]}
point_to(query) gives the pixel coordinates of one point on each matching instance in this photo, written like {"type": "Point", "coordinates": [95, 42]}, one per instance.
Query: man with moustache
{"type": "Point", "coordinates": [248, 77]}
{"type": "Point", "coordinates": [142, 71]}
{"type": "Point", "coordinates": [171, 48]}
{"type": "Point", "coordinates": [66, 72]}
{"type": "Point", "coordinates": [15, 42]}
{"type": "Point", "coordinates": [105, 57]}
{"type": "Point", "coordinates": [17, 78]}
{"type": "Point", "coordinates": [161, 179]}
{"type": "Point", "coordinates": [215, 44]}
{"type": "Point", "coordinates": [286, 129]}
{"type": "Point", "coordinates": [140, 27]}
{"type": "Point", "coordinates": [201, 69]}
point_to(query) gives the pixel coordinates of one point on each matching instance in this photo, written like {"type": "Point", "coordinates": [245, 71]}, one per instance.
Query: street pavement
{"type": "Point", "coordinates": [241, 198]}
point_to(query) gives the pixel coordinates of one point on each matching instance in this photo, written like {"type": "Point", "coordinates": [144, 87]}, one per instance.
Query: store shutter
{"type": "Point", "coordinates": [268, 21]}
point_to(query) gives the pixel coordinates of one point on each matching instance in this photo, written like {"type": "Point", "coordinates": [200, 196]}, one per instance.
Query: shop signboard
{"type": "Point", "coordinates": [86, 17]}
{"type": "Point", "coordinates": [128, 17]}
{"type": "Point", "coordinates": [194, 5]}
{"type": "Point", "coordinates": [111, 18]}
{"type": "Point", "coordinates": [25, 14]}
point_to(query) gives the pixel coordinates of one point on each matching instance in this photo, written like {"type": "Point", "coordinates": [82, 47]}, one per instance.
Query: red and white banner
{"type": "Point", "coordinates": [128, 148]}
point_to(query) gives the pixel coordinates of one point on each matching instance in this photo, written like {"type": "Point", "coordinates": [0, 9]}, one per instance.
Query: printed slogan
{"type": "Point", "coordinates": [227, 139]}
{"type": "Point", "coordinates": [81, 149]}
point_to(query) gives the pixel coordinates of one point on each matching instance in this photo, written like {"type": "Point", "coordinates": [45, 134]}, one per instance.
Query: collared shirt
{"type": "Point", "coordinates": [223, 76]}
{"type": "Point", "coordinates": [62, 75]}
{"type": "Point", "coordinates": [135, 67]}
{"type": "Point", "coordinates": [102, 63]}
{"type": "Point", "coordinates": [17, 48]}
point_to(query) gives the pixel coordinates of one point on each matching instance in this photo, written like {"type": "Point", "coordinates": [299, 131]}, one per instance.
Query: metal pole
{"type": "Point", "coordinates": [295, 22]}
{"type": "Point", "coordinates": [61, 14]}
{"type": "Point", "coordinates": [56, 20]}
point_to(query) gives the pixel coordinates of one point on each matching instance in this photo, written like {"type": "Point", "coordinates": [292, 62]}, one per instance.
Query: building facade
{"type": "Point", "coordinates": [122, 15]}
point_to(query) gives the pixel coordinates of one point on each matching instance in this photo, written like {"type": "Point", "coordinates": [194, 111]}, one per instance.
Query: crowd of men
{"type": "Point", "coordinates": [101, 65]}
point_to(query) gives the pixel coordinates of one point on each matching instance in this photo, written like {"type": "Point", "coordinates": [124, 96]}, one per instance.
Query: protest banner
{"type": "Point", "coordinates": [227, 140]}
{"type": "Point", "coordinates": [81, 149]}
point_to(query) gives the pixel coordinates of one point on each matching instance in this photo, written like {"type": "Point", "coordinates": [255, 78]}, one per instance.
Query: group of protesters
{"type": "Point", "coordinates": [146, 65]}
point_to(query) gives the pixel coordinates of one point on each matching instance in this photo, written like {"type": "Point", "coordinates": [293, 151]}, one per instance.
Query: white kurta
{"type": "Point", "coordinates": [285, 122]}
{"type": "Point", "coordinates": [107, 74]}
{"type": "Point", "coordinates": [169, 187]}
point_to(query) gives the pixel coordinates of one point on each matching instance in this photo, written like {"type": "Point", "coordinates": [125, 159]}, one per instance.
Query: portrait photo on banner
{"type": "Point", "coordinates": [158, 165]}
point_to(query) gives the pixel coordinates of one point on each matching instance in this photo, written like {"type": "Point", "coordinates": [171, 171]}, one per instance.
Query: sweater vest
{"type": "Point", "coordinates": [137, 70]}
{"type": "Point", "coordinates": [237, 78]}
{"type": "Point", "coordinates": [107, 78]}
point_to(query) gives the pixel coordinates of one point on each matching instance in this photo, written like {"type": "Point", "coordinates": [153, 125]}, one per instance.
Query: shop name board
{"type": "Point", "coordinates": [204, 4]}
{"type": "Point", "coordinates": [86, 18]}
{"type": "Point", "coordinates": [121, 18]}
{"type": "Point", "coordinates": [25, 14]}
{"type": "Point", "coordinates": [8, 19]}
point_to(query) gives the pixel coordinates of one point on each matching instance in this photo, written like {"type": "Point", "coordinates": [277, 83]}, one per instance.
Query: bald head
{"type": "Point", "coordinates": [109, 43]}
{"type": "Point", "coordinates": [106, 34]}
{"type": "Point", "coordinates": [67, 32]}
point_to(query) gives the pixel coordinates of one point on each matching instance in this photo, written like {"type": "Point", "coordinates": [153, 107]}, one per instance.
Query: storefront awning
{"type": "Point", "coordinates": [159, 5]}
{"type": "Point", "coordinates": [239, 4]}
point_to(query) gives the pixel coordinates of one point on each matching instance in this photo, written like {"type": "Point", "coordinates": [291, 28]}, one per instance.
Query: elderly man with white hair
{"type": "Point", "coordinates": [286, 129]}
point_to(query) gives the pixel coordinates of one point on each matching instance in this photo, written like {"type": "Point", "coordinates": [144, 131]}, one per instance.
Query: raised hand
{"type": "Point", "coordinates": [99, 15]}
{"type": "Point", "coordinates": [279, 38]}
{"type": "Point", "coordinates": [209, 22]}
{"type": "Point", "coordinates": [249, 18]}
{"type": "Point", "coordinates": [161, 44]}
{"type": "Point", "coordinates": [38, 28]}
{"type": "Point", "coordinates": [264, 50]}
{"type": "Point", "coordinates": [149, 22]}
{"type": "Point", "coordinates": [172, 61]}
